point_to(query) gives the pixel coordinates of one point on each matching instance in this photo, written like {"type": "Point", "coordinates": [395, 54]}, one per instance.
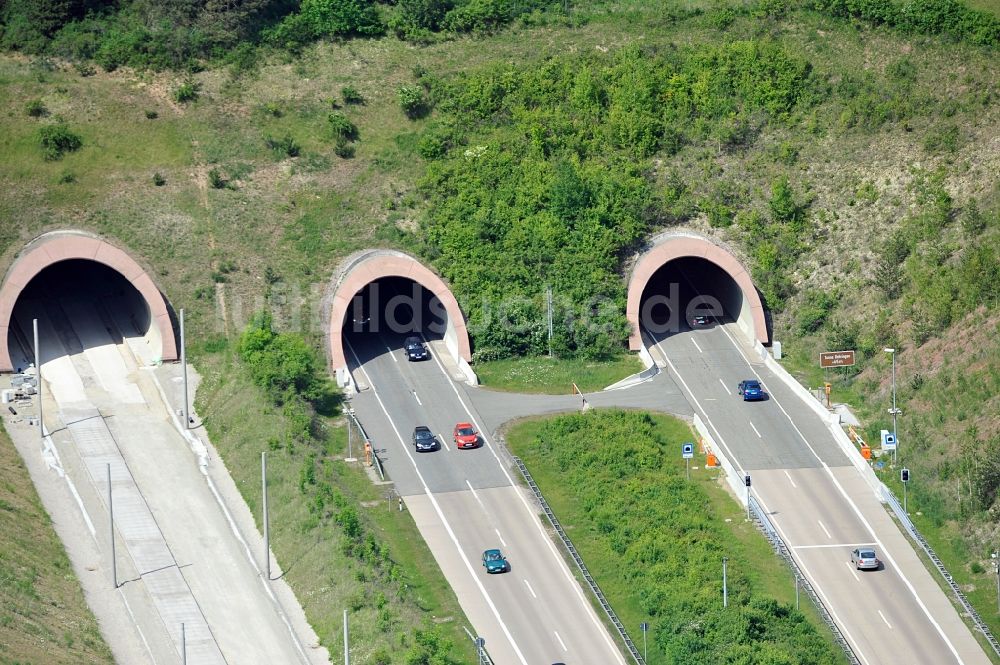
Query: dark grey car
{"type": "Point", "coordinates": [424, 439]}
{"type": "Point", "coordinates": [415, 349]}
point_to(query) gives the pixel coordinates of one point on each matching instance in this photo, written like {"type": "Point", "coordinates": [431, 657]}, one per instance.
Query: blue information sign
{"type": "Point", "coordinates": [687, 450]}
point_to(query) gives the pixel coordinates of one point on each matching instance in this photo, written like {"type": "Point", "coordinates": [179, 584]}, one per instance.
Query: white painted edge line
{"type": "Point", "coordinates": [884, 619]}
{"type": "Point", "coordinates": [858, 514]}
{"type": "Point", "coordinates": [693, 341]}
{"type": "Point", "coordinates": [135, 622]}
{"type": "Point", "coordinates": [789, 476]}
{"type": "Point", "coordinates": [530, 590]}
{"type": "Point", "coordinates": [755, 430]}
{"type": "Point", "coordinates": [440, 513]}
{"type": "Point", "coordinates": [50, 455]}
{"type": "Point", "coordinates": [735, 460]}
{"type": "Point", "coordinates": [536, 519]}
{"type": "Point", "coordinates": [824, 529]}
{"type": "Point", "coordinates": [202, 451]}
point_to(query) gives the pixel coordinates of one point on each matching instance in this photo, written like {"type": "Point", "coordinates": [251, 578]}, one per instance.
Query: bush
{"type": "Point", "coordinates": [343, 148]}
{"type": "Point", "coordinates": [283, 147]}
{"type": "Point", "coordinates": [57, 140]}
{"type": "Point", "coordinates": [412, 101]}
{"type": "Point", "coordinates": [351, 95]}
{"type": "Point", "coordinates": [36, 109]}
{"type": "Point", "coordinates": [217, 181]}
{"type": "Point", "coordinates": [187, 92]}
{"type": "Point", "coordinates": [159, 180]}
{"type": "Point", "coordinates": [152, 115]}
{"type": "Point", "coordinates": [341, 127]}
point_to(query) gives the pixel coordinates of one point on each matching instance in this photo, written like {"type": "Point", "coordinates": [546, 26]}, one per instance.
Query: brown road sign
{"type": "Point", "coordinates": [836, 358]}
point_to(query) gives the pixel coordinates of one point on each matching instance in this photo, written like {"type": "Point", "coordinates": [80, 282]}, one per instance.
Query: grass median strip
{"type": "Point", "coordinates": [655, 541]}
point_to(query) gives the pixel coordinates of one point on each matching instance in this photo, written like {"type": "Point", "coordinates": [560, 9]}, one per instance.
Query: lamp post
{"type": "Point", "coordinates": [894, 411]}
{"type": "Point", "coordinates": [725, 591]}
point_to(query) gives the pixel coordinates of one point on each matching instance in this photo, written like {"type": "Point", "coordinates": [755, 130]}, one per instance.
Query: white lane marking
{"type": "Point", "coordinates": [760, 500]}
{"type": "Point", "coordinates": [853, 570]}
{"type": "Point", "coordinates": [502, 542]}
{"type": "Point", "coordinates": [391, 354]}
{"type": "Point", "coordinates": [884, 619]}
{"type": "Point", "coordinates": [440, 514]}
{"type": "Point", "coordinates": [527, 584]}
{"type": "Point", "coordinates": [480, 501]}
{"type": "Point", "coordinates": [857, 512]}
{"type": "Point", "coordinates": [755, 430]}
{"type": "Point", "coordinates": [790, 479]}
{"type": "Point", "coordinates": [696, 345]}
{"type": "Point", "coordinates": [561, 643]}
{"type": "Point", "coordinates": [722, 382]}
{"type": "Point", "coordinates": [416, 397]}
{"type": "Point", "coordinates": [824, 530]}
{"type": "Point", "coordinates": [821, 547]}
{"type": "Point", "coordinates": [444, 441]}
{"type": "Point", "coordinates": [534, 518]}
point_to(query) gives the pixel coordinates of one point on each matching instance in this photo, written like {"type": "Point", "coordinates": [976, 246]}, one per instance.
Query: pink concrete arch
{"type": "Point", "coordinates": [394, 264]}
{"type": "Point", "coordinates": [676, 247]}
{"type": "Point", "coordinates": [55, 247]}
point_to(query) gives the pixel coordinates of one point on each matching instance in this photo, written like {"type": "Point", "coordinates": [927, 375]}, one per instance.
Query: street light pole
{"type": "Point", "coordinates": [725, 589]}
{"type": "Point", "coordinates": [895, 411]}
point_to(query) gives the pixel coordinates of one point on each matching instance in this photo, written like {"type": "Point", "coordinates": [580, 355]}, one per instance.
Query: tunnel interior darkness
{"type": "Point", "coordinates": [685, 287]}
{"type": "Point", "coordinates": [387, 311]}
{"type": "Point", "coordinates": [79, 304]}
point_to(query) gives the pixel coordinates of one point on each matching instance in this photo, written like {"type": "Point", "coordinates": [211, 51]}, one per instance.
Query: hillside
{"type": "Point", "coordinates": [852, 166]}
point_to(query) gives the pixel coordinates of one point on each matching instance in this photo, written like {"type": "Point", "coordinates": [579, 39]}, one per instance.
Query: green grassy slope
{"type": "Point", "coordinates": [43, 616]}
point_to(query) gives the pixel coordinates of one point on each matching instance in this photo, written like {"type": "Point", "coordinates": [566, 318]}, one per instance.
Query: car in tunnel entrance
{"type": "Point", "coordinates": [415, 349]}
{"type": "Point", "coordinates": [751, 389]}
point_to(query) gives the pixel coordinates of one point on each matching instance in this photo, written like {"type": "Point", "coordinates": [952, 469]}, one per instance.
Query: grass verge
{"type": "Point", "coordinates": [43, 616]}
{"type": "Point", "coordinates": [554, 376]}
{"type": "Point", "coordinates": [654, 542]}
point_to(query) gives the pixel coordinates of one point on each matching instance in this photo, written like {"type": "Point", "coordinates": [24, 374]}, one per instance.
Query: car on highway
{"type": "Point", "coordinates": [414, 349]}
{"type": "Point", "coordinates": [424, 439]}
{"type": "Point", "coordinates": [495, 562]}
{"type": "Point", "coordinates": [750, 389]}
{"type": "Point", "coordinates": [700, 321]}
{"type": "Point", "coordinates": [466, 436]}
{"type": "Point", "coordinates": [864, 558]}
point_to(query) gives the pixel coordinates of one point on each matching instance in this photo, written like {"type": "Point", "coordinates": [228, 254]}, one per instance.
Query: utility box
{"type": "Point", "coordinates": [888, 440]}
{"type": "Point", "coordinates": [776, 350]}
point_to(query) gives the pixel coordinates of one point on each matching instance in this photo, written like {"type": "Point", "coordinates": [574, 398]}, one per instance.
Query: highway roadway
{"type": "Point", "coordinates": [821, 506]}
{"type": "Point", "coordinates": [465, 501]}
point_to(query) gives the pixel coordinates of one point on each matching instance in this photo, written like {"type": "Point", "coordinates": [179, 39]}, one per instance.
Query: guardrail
{"type": "Point", "coordinates": [482, 654]}
{"type": "Point", "coordinates": [371, 454]}
{"type": "Point", "coordinates": [911, 528]}
{"type": "Point", "coordinates": [568, 544]}
{"type": "Point", "coordinates": [764, 524]}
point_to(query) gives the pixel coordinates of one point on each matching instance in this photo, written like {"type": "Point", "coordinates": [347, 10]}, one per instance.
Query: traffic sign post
{"type": "Point", "coordinates": [687, 452]}
{"type": "Point", "coordinates": [746, 480]}
{"type": "Point", "coordinates": [904, 477]}
{"type": "Point", "coordinates": [644, 627]}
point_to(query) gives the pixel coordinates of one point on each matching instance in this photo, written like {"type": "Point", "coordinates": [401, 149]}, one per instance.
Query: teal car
{"type": "Point", "coordinates": [494, 562]}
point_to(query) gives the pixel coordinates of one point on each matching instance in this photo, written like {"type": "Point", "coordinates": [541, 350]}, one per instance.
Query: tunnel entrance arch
{"type": "Point", "coordinates": [687, 250]}
{"type": "Point", "coordinates": [63, 246]}
{"type": "Point", "coordinates": [369, 267]}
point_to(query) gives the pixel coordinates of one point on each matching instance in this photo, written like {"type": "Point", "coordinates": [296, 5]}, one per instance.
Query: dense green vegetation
{"type": "Point", "coordinates": [43, 616]}
{"type": "Point", "coordinates": [655, 541]}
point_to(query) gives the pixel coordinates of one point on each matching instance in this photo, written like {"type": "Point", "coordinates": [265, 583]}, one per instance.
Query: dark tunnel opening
{"type": "Point", "coordinates": [685, 288]}
{"type": "Point", "coordinates": [387, 311]}
{"type": "Point", "coordinates": [79, 304]}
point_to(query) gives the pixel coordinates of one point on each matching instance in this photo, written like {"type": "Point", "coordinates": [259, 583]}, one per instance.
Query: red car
{"type": "Point", "coordinates": [466, 436]}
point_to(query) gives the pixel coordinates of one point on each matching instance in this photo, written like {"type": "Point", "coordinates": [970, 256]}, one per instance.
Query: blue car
{"type": "Point", "coordinates": [495, 562]}
{"type": "Point", "coordinates": [751, 389]}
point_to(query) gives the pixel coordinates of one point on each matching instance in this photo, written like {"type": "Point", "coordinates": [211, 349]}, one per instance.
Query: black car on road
{"type": "Point", "coordinates": [415, 349]}
{"type": "Point", "coordinates": [424, 439]}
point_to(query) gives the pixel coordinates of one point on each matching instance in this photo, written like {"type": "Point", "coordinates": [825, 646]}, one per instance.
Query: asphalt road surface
{"type": "Point", "coordinates": [464, 502]}
{"type": "Point", "coordinates": [821, 506]}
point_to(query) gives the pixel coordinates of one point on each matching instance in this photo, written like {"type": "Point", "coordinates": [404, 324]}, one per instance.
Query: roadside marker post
{"type": "Point", "coordinates": [687, 452]}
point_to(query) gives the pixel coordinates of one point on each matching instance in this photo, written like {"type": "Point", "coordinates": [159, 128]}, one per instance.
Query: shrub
{"type": "Point", "coordinates": [412, 101]}
{"type": "Point", "coordinates": [152, 115]}
{"type": "Point", "coordinates": [351, 95]}
{"type": "Point", "coordinates": [217, 181]}
{"type": "Point", "coordinates": [36, 109]}
{"type": "Point", "coordinates": [187, 92]}
{"type": "Point", "coordinates": [67, 177]}
{"type": "Point", "coordinates": [341, 127]}
{"type": "Point", "coordinates": [343, 148]}
{"type": "Point", "coordinates": [57, 140]}
{"type": "Point", "coordinates": [159, 180]}
{"type": "Point", "coordinates": [283, 147]}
